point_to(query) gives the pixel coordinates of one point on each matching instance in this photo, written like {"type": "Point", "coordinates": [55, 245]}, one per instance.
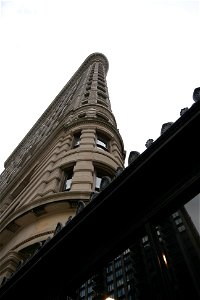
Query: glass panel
{"type": "Point", "coordinates": [98, 182]}
{"type": "Point", "coordinates": [68, 184]}
{"type": "Point", "coordinates": [76, 141]}
{"type": "Point", "coordinates": [193, 209]}
{"type": "Point", "coordinates": [101, 144]}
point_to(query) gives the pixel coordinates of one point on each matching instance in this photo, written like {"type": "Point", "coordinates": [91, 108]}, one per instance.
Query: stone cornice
{"type": "Point", "coordinates": [56, 198]}
{"type": "Point", "coordinates": [12, 254]}
{"type": "Point", "coordinates": [78, 122]}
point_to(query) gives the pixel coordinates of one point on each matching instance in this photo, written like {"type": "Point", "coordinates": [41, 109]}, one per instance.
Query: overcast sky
{"type": "Point", "coordinates": [153, 48]}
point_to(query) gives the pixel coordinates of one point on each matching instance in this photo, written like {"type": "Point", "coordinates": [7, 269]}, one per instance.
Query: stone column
{"type": "Point", "coordinates": [83, 170]}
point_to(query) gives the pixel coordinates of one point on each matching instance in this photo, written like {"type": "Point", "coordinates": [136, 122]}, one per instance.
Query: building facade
{"type": "Point", "coordinates": [67, 158]}
{"type": "Point", "coordinates": [58, 163]}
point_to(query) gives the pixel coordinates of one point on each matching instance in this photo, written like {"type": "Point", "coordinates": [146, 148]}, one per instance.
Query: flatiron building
{"type": "Point", "coordinates": [67, 158]}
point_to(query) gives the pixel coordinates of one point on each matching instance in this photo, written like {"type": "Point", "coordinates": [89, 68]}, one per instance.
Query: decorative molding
{"type": "Point", "coordinates": [56, 198]}
{"type": "Point", "coordinates": [32, 238]}
{"type": "Point", "coordinates": [95, 121]}
{"type": "Point", "coordinates": [11, 251]}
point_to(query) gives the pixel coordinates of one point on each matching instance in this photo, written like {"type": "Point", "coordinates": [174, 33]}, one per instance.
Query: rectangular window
{"type": "Point", "coordinates": [121, 292]}
{"type": "Point", "coordinates": [76, 140]}
{"type": "Point", "coordinates": [110, 287]}
{"type": "Point", "coordinates": [110, 277]}
{"type": "Point", "coordinates": [181, 228]}
{"type": "Point", "coordinates": [98, 175]}
{"type": "Point", "coordinates": [129, 276]}
{"type": "Point", "coordinates": [97, 183]}
{"type": "Point", "coordinates": [109, 268]}
{"type": "Point", "coordinates": [82, 293]}
{"type": "Point", "coordinates": [120, 282]}
{"type": "Point", "coordinates": [68, 180]}
{"type": "Point", "coordinates": [118, 273]}
{"type": "Point", "coordinates": [178, 221]}
{"type": "Point", "coordinates": [90, 289]}
{"type": "Point", "coordinates": [128, 267]}
{"type": "Point", "coordinates": [101, 141]}
{"type": "Point", "coordinates": [118, 264]}
{"type": "Point", "coordinates": [175, 215]}
{"type": "Point", "coordinates": [145, 239]}
{"type": "Point", "coordinates": [126, 251]}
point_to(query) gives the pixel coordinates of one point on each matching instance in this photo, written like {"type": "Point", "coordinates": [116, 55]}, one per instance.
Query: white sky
{"type": "Point", "coordinates": [153, 48]}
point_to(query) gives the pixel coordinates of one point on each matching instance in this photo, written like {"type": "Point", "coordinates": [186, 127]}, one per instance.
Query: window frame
{"type": "Point", "coordinates": [102, 141]}
{"type": "Point", "coordinates": [99, 172]}
{"type": "Point", "coordinates": [67, 181]}
{"type": "Point", "coordinates": [76, 139]}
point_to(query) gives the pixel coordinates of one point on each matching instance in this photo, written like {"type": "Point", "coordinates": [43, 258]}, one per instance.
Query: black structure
{"type": "Point", "coordinates": [146, 248]}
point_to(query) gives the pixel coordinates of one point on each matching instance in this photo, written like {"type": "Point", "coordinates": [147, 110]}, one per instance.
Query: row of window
{"type": "Point", "coordinates": [98, 175]}
{"type": "Point", "coordinates": [100, 84]}
{"type": "Point", "coordinates": [102, 141]}
{"type": "Point", "coordinates": [118, 276]}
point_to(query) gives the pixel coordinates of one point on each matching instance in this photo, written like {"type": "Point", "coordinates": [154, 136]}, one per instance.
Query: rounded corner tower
{"type": "Point", "coordinates": [59, 162]}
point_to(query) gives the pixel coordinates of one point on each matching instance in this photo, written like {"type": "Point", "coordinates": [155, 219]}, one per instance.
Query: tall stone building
{"type": "Point", "coordinates": [71, 154]}
{"type": "Point", "coordinates": [59, 162]}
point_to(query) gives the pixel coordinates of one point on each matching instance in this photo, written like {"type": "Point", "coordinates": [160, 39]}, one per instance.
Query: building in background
{"type": "Point", "coordinates": [71, 154]}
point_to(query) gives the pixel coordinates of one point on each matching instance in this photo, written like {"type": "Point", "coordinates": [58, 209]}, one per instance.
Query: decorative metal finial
{"type": "Point", "coordinates": [133, 155]}
{"type": "Point", "coordinates": [119, 171]}
{"type": "Point", "coordinates": [196, 94]}
{"type": "Point", "coordinates": [80, 207]}
{"type": "Point", "coordinates": [165, 126]}
{"type": "Point", "coordinates": [183, 110]}
{"type": "Point", "coordinates": [105, 181]}
{"type": "Point", "coordinates": [59, 226]}
{"type": "Point", "coordinates": [93, 195]}
{"type": "Point", "coordinates": [149, 142]}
